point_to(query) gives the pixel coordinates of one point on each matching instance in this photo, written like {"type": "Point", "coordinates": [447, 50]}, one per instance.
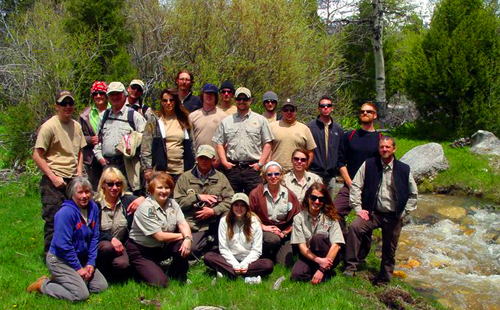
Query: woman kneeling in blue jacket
{"type": "Point", "coordinates": [73, 251]}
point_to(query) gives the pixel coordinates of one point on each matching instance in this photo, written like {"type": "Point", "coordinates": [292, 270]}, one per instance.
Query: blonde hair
{"type": "Point", "coordinates": [110, 173]}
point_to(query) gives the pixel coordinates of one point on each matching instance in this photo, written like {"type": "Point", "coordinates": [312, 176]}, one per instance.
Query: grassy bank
{"type": "Point", "coordinates": [21, 263]}
{"type": "Point", "coordinates": [468, 174]}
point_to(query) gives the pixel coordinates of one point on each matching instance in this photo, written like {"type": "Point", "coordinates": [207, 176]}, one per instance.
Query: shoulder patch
{"type": "Point", "coordinates": [151, 212]}
{"type": "Point", "coordinates": [190, 192]}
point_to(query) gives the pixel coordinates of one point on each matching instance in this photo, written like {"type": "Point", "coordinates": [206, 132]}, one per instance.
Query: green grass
{"type": "Point", "coordinates": [21, 263]}
{"type": "Point", "coordinates": [468, 173]}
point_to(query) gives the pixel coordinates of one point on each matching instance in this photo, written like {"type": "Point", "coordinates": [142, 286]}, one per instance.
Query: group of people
{"type": "Point", "coordinates": [127, 190]}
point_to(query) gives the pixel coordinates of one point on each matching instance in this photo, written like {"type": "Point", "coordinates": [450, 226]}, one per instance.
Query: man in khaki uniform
{"type": "Point", "coordinates": [58, 154]}
{"type": "Point", "coordinates": [206, 120]}
{"type": "Point", "coordinates": [204, 195]}
{"type": "Point", "coordinates": [290, 135]}
{"type": "Point", "coordinates": [243, 144]}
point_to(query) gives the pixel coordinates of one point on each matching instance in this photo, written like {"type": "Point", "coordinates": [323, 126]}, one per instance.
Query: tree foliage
{"type": "Point", "coordinates": [454, 75]}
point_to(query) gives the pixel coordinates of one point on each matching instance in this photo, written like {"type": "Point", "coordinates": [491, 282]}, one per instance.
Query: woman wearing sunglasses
{"type": "Point", "coordinates": [166, 142]}
{"type": "Point", "coordinates": [298, 180]}
{"type": "Point", "coordinates": [116, 214]}
{"type": "Point", "coordinates": [275, 205]}
{"type": "Point", "coordinates": [317, 234]}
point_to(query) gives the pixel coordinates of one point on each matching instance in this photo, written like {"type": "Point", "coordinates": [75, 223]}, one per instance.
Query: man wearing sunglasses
{"type": "Point", "coordinates": [58, 154]}
{"type": "Point", "coordinates": [327, 135]}
{"type": "Point", "coordinates": [226, 98]}
{"type": "Point", "coordinates": [134, 99]}
{"type": "Point", "coordinates": [90, 119]}
{"type": "Point", "coordinates": [243, 144]}
{"type": "Point", "coordinates": [383, 191]}
{"type": "Point", "coordinates": [290, 135]}
{"type": "Point", "coordinates": [270, 102]}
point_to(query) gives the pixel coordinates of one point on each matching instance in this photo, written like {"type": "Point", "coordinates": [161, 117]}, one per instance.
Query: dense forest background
{"type": "Point", "coordinates": [438, 79]}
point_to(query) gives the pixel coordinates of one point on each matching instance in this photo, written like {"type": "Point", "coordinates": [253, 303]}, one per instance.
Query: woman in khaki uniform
{"type": "Point", "coordinates": [166, 142]}
{"type": "Point", "coordinates": [317, 234]}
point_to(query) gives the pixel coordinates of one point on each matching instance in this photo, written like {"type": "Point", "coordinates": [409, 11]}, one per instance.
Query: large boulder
{"type": "Point", "coordinates": [485, 143]}
{"type": "Point", "coordinates": [426, 160]}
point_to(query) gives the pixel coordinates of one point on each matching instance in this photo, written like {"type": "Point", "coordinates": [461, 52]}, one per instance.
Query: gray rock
{"type": "Point", "coordinates": [426, 160]}
{"type": "Point", "coordinates": [485, 143]}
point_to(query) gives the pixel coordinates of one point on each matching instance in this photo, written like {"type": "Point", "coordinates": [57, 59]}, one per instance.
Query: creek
{"type": "Point", "coordinates": [451, 251]}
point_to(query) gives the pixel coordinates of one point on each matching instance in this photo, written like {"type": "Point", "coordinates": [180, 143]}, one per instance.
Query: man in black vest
{"type": "Point", "coordinates": [382, 193]}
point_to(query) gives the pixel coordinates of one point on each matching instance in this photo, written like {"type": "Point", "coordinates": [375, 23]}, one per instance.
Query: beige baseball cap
{"type": "Point", "coordinates": [206, 150]}
{"type": "Point", "coordinates": [116, 87]}
{"type": "Point", "coordinates": [240, 196]}
{"type": "Point", "coordinates": [243, 90]}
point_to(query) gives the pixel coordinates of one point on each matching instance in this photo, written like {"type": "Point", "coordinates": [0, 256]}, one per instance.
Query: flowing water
{"type": "Point", "coordinates": [451, 251]}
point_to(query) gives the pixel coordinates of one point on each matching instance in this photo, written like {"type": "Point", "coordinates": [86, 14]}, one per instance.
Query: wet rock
{"type": "Point", "coordinates": [485, 143]}
{"type": "Point", "coordinates": [468, 221]}
{"type": "Point", "coordinates": [453, 213]}
{"type": "Point", "coordinates": [469, 232]}
{"type": "Point", "coordinates": [491, 237]}
{"type": "Point", "coordinates": [399, 274]}
{"type": "Point", "coordinates": [426, 160]}
{"type": "Point", "coordinates": [410, 264]}
{"type": "Point", "coordinates": [439, 264]}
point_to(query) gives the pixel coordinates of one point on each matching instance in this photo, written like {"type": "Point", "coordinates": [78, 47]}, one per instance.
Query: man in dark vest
{"type": "Point", "coordinates": [382, 193]}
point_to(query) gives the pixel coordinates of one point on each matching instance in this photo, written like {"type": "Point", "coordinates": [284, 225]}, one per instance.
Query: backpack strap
{"type": "Point", "coordinates": [105, 118]}
{"type": "Point", "coordinates": [352, 134]}
{"type": "Point", "coordinates": [130, 118]}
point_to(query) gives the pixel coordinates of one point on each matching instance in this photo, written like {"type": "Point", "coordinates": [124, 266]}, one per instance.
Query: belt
{"type": "Point", "coordinates": [243, 164]}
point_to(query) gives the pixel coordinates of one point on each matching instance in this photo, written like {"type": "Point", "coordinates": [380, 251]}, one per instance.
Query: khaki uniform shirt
{"type": "Point", "coordinates": [174, 145]}
{"type": "Point", "coordinates": [204, 125]}
{"type": "Point", "coordinates": [114, 130]}
{"type": "Point", "coordinates": [300, 190]}
{"type": "Point", "coordinates": [189, 186]}
{"type": "Point", "coordinates": [303, 229]}
{"type": "Point", "coordinates": [114, 221]}
{"type": "Point", "coordinates": [287, 138]}
{"type": "Point", "coordinates": [244, 136]}
{"type": "Point", "coordinates": [150, 218]}
{"type": "Point", "coordinates": [62, 143]}
{"type": "Point", "coordinates": [277, 210]}
{"type": "Point", "coordinates": [386, 199]}
{"type": "Point", "coordinates": [230, 111]}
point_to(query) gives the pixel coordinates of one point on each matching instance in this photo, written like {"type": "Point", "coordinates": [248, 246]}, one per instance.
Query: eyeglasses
{"type": "Point", "coordinates": [298, 159]}
{"type": "Point", "coordinates": [102, 93]}
{"type": "Point", "coordinates": [168, 100]}
{"type": "Point", "coordinates": [136, 87]}
{"type": "Point", "coordinates": [226, 91]}
{"type": "Point", "coordinates": [184, 80]}
{"type": "Point", "coordinates": [326, 105]}
{"type": "Point", "coordinates": [367, 112]}
{"type": "Point", "coordinates": [270, 101]}
{"type": "Point", "coordinates": [111, 184]}
{"type": "Point", "coordinates": [242, 99]}
{"type": "Point", "coordinates": [286, 110]}
{"type": "Point", "coordinates": [319, 198]}
{"type": "Point", "coordinates": [273, 174]}
{"type": "Point", "coordinates": [65, 103]}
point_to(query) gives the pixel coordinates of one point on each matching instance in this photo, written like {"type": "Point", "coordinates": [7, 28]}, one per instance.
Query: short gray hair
{"type": "Point", "coordinates": [75, 183]}
{"type": "Point", "coordinates": [388, 138]}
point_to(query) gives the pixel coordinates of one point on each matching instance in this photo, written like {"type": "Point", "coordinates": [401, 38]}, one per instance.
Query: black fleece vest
{"type": "Point", "coordinates": [373, 180]}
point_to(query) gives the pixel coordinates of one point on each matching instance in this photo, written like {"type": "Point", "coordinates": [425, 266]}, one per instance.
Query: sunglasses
{"type": "Point", "coordinates": [136, 87]}
{"type": "Point", "coordinates": [168, 100]}
{"type": "Point", "coordinates": [326, 105]}
{"type": "Point", "coordinates": [271, 101]}
{"type": "Point", "coordinates": [226, 92]}
{"type": "Point", "coordinates": [286, 110]}
{"type": "Point", "coordinates": [273, 174]}
{"type": "Point", "coordinates": [242, 99]}
{"type": "Point", "coordinates": [65, 103]}
{"type": "Point", "coordinates": [319, 198]}
{"type": "Point", "coordinates": [111, 184]}
{"type": "Point", "coordinates": [102, 93]}
{"type": "Point", "coordinates": [367, 112]}
{"type": "Point", "coordinates": [298, 159]}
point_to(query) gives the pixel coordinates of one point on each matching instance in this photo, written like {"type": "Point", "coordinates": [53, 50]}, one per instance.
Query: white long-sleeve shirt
{"type": "Point", "coordinates": [237, 251]}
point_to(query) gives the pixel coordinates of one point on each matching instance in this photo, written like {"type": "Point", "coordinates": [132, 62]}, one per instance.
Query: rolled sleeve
{"type": "Point", "coordinates": [335, 235]}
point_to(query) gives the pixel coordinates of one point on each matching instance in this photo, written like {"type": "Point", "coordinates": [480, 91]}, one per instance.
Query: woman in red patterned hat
{"type": "Point", "coordinates": [90, 119]}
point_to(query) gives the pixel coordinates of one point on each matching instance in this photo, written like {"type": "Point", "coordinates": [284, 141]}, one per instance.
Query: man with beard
{"type": "Point", "coordinates": [184, 82]}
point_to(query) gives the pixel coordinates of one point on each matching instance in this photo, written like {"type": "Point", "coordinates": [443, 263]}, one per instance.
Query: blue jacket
{"type": "Point", "coordinates": [74, 241]}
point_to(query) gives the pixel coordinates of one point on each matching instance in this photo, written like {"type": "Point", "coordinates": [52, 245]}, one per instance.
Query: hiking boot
{"type": "Point", "coordinates": [37, 285]}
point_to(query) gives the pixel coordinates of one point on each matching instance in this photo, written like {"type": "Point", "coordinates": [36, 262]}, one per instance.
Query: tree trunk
{"type": "Point", "coordinates": [378, 52]}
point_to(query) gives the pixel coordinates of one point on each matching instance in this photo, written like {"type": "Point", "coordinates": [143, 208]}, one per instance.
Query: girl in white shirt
{"type": "Point", "coordinates": [240, 243]}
